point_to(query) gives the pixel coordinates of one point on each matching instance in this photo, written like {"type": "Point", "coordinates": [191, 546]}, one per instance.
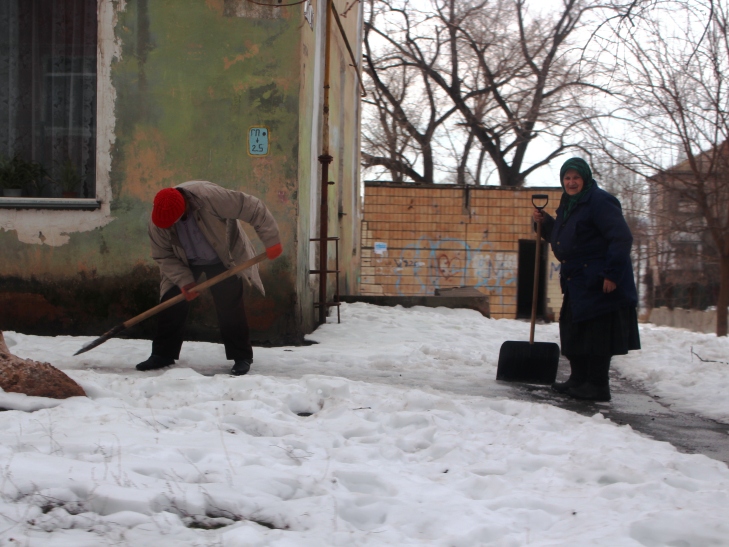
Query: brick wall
{"type": "Point", "coordinates": [416, 239]}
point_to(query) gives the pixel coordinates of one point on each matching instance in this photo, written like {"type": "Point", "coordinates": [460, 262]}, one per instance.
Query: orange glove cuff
{"type": "Point", "coordinates": [274, 250]}
{"type": "Point", "coordinates": [189, 293]}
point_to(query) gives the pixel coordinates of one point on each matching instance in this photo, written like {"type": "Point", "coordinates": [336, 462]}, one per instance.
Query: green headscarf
{"type": "Point", "coordinates": [581, 166]}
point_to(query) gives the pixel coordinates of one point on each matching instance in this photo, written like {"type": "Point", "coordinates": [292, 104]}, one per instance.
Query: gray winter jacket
{"type": "Point", "coordinates": [217, 212]}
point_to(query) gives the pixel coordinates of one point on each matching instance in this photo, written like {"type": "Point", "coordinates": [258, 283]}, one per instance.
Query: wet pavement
{"type": "Point", "coordinates": [646, 414]}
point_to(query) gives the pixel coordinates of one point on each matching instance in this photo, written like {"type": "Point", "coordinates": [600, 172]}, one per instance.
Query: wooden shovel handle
{"type": "Point", "coordinates": [198, 288]}
{"type": "Point", "coordinates": [535, 292]}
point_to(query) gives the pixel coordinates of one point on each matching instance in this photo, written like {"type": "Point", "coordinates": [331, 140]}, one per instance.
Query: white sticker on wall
{"type": "Point", "coordinates": [258, 141]}
{"type": "Point", "coordinates": [380, 247]}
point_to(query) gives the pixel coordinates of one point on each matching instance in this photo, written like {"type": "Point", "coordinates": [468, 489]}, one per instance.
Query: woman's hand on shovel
{"type": "Point", "coordinates": [538, 216]}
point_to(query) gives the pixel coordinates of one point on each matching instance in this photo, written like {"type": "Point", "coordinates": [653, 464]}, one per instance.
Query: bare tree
{"type": "Point", "coordinates": [632, 191]}
{"type": "Point", "coordinates": [511, 75]}
{"type": "Point", "coordinates": [673, 79]}
{"type": "Point", "coordinates": [407, 112]}
{"type": "Point", "coordinates": [387, 142]}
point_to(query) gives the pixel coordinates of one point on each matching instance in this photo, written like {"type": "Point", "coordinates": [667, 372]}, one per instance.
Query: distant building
{"type": "Point", "coordinates": [683, 266]}
{"type": "Point", "coordinates": [418, 238]}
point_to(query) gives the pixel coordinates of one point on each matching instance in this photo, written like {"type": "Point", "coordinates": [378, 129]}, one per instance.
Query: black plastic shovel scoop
{"type": "Point", "coordinates": [530, 362]}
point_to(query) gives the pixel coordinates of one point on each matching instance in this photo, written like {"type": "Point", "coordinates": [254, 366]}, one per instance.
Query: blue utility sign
{"type": "Point", "coordinates": [258, 141]}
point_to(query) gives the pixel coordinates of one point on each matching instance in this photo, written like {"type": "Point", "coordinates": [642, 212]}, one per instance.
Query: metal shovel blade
{"type": "Point", "coordinates": [530, 363]}
{"type": "Point", "coordinates": [101, 339]}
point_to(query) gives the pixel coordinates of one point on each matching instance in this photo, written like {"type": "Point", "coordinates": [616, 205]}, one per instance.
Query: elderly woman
{"type": "Point", "coordinates": [592, 241]}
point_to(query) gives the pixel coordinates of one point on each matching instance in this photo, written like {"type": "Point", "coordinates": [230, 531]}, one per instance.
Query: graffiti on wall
{"type": "Point", "coordinates": [554, 268]}
{"type": "Point", "coordinates": [430, 264]}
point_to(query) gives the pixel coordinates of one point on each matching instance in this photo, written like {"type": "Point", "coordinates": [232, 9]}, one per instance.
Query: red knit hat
{"type": "Point", "coordinates": [169, 206]}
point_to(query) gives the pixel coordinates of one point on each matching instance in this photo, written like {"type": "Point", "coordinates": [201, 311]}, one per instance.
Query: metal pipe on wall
{"type": "Point", "coordinates": [325, 159]}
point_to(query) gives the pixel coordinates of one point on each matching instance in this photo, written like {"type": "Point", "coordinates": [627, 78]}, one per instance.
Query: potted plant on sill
{"type": "Point", "coordinates": [10, 185]}
{"type": "Point", "coordinates": [18, 175]}
{"type": "Point", "coordinates": [70, 180]}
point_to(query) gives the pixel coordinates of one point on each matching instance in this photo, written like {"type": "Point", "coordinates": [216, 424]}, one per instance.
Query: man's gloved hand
{"type": "Point", "coordinates": [274, 250]}
{"type": "Point", "coordinates": [189, 293]}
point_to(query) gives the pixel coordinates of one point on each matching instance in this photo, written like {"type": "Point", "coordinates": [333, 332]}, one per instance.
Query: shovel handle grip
{"type": "Point", "coordinates": [535, 197]}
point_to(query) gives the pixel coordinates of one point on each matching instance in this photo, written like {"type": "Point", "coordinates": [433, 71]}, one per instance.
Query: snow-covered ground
{"type": "Point", "coordinates": [365, 438]}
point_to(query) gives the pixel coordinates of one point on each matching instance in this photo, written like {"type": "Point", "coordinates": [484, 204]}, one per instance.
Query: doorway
{"type": "Point", "coordinates": [525, 279]}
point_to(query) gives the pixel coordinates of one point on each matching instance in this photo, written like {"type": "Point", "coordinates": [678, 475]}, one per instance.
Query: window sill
{"type": "Point", "coordinates": [50, 203]}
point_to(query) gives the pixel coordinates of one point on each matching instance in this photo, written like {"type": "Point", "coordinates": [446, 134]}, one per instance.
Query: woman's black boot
{"type": "Point", "coordinates": [597, 386]}
{"type": "Point", "coordinates": [578, 375]}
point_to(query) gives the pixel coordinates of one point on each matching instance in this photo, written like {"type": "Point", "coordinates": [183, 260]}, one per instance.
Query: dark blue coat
{"type": "Point", "coordinates": [591, 245]}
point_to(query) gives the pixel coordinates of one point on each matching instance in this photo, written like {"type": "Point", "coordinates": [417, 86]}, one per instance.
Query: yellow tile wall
{"type": "Point", "coordinates": [434, 240]}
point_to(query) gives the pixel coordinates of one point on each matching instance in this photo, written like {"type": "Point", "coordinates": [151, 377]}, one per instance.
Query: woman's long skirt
{"type": "Point", "coordinates": [614, 333]}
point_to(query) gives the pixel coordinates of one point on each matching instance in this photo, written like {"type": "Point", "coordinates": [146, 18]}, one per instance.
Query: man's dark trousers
{"type": "Point", "coordinates": [228, 298]}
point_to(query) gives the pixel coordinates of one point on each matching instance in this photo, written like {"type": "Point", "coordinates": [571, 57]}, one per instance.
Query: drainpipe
{"type": "Point", "coordinates": [325, 159]}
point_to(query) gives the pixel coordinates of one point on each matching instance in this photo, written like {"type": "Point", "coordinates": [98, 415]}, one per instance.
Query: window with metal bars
{"type": "Point", "coordinates": [48, 51]}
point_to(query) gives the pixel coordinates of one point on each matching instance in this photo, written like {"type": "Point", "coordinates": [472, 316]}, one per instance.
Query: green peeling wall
{"type": "Point", "coordinates": [180, 84]}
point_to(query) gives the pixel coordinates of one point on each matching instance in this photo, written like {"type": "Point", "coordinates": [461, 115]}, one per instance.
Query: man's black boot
{"type": "Point", "coordinates": [241, 367]}
{"type": "Point", "coordinates": [154, 362]}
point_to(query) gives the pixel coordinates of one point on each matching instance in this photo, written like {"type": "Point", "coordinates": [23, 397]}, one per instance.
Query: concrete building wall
{"type": "Point", "coordinates": [180, 83]}
{"type": "Point", "coordinates": [346, 202]}
{"type": "Point", "coordinates": [344, 195]}
{"type": "Point", "coordinates": [693, 320]}
{"type": "Point", "coordinates": [416, 239]}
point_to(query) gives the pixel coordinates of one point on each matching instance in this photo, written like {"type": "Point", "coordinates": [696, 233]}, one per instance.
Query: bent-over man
{"type": "Point", "coordinates": [194, 230]}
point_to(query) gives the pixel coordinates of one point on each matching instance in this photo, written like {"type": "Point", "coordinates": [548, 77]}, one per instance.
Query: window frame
{"type": "Point", "coordinates": [73, 203]}
{"type": "Point", "coordinates": [84, 204]}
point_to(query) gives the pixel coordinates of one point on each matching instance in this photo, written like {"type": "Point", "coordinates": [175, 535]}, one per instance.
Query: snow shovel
{"type": "Point", "coordinates": [530, 362]}
{"type": "Point", "coordinates": [168, 303]}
